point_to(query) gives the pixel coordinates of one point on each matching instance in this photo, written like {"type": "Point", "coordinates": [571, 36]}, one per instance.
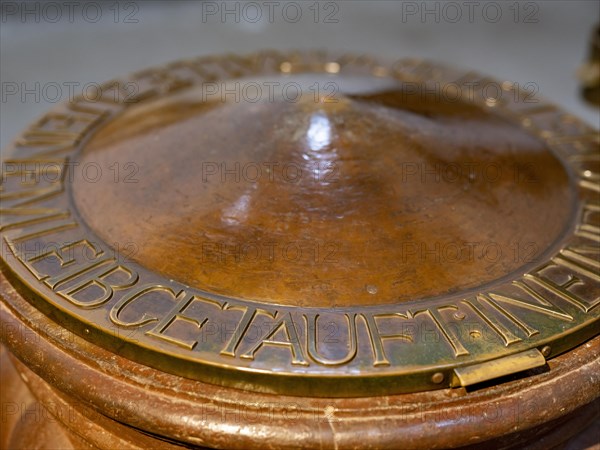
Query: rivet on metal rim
{"type": "Point", "coordinates": [437, 377]}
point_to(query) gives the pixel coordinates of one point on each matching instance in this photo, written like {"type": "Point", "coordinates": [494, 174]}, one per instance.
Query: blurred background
{"type": "Point", "coordinates": [49, 50]}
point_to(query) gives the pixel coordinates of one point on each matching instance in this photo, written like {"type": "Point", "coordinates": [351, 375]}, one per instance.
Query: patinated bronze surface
{"type": "Point", "coordinates": [362, 175]}
{"type": "Point", "coordinates": [91, 393]}
{"type": "Point", "coordinates": [299, 227]}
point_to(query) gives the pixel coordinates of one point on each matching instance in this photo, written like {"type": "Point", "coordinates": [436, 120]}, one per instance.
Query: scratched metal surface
{"type": "Point", "coordinates": [546, 53]}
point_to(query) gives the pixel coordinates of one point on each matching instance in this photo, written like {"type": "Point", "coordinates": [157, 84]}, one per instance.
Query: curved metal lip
{"type": "Point", "coordinates": [301, 382]}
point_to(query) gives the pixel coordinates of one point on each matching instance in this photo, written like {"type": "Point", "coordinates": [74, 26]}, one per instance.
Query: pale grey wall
{"type": "Point", "coordinates": [547, 52]}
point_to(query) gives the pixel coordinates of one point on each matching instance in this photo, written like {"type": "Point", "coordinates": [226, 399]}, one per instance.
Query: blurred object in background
{"type": "Point", "coordinates": [589, 73]}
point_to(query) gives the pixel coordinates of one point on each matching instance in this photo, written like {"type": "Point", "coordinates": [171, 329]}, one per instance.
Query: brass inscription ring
{"type": "Point", "coordinates": [310, 224]}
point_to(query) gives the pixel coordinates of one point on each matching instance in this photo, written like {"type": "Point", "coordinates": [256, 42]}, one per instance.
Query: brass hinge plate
{"type": "Point", "coordinates": [477, 373]}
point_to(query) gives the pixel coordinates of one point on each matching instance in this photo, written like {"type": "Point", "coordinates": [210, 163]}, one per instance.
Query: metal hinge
{"type": "Point", "coordinates": [476, 373]}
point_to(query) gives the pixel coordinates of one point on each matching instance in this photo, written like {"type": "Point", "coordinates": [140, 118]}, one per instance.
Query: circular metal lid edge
{"type": "Point", "coordinates": [566, 311]}
{"type": "Point", "coordinates": [204, 414]}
